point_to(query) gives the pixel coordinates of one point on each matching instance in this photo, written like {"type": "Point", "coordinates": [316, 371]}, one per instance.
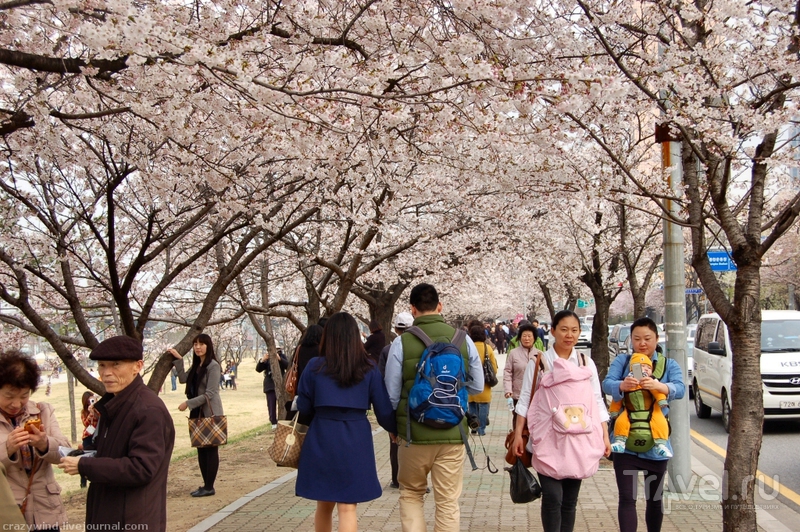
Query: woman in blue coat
{"type": "Point", "coordinates": [337, 462]}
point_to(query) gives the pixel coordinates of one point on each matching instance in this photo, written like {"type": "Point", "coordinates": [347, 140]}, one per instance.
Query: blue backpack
{"type": "Point", "coordinates": [438, 397]}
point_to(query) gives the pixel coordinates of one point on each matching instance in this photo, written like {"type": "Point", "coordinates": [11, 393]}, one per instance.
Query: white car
{"type": "Point", "coordinates": [780, 366]}
{"type": "Point", "coordinates": [585, 338]}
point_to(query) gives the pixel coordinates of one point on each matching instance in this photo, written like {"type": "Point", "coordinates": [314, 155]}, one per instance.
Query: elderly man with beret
{"type": "Point", "coordinates": [134, 441]}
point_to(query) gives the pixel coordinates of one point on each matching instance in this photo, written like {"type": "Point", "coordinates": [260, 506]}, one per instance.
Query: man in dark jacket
{"type": "Point", "coordinates": [269, 384]}
{"type": "Point", "coordinates": [134, 441]}
{"type": "Point", "coordinates": [375, 342]}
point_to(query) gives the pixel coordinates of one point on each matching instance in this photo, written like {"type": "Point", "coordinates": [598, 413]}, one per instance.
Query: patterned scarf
{"type": "Point", "coordinates": [26, 451]}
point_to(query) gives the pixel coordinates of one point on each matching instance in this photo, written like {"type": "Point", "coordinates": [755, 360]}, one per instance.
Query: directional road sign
{"type": "Point", "coordinates": [721, 261]}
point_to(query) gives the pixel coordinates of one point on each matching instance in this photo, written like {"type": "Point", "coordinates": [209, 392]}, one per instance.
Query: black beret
{"type": "Point", "coordinates": [118, 348]}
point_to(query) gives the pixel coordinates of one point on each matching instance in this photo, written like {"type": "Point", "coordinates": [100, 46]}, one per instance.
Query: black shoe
{"type": "Point", "coordinates": [427, 490]}
{"type": "Point", "coordinates": [202, 492]}
{"type": "Point", "coordinates": [394, 485]}
{"type": "Point", "coordinates": [195, 492]}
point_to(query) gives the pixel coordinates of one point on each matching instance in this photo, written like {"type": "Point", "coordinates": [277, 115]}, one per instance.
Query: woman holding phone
{"type": "Point", "coordinates": [619, 381]}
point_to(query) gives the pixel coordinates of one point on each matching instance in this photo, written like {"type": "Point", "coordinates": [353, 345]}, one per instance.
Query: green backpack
{"type": "Point", "coordinates": [640, 438]}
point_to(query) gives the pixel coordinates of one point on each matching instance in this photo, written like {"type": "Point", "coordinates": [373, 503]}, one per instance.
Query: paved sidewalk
{"type": "Point", "coordinates": [485, 502]}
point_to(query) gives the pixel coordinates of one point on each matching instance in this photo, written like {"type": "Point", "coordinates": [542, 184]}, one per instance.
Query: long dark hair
{"type": "Point", "coordinates": [345, 358]}
{"type": "Point", "coordinates": [312, 336]}
{"type": "Point", "coordinates": [198, 371]}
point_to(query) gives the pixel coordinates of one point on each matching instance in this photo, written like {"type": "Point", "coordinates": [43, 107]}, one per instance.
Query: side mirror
{"type": "Point", "coordinates": [613, 340]}
{"type": "Point", "coordinates": [715, 349]}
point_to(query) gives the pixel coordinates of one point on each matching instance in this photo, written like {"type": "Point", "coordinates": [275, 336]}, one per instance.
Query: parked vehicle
{"type": "Point", "coordinates": [616, 340]}
{"type": "Point", "coordinates": [585, 338]}
{"type": "Point", "coordinates": [780, 366]}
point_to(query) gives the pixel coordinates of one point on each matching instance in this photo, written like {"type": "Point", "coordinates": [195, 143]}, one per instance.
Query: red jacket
{"type": "Point", "coordinates": [128, 475]}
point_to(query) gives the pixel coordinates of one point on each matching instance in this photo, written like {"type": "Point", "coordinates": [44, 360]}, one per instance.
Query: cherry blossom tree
{"type": "Point", "coordinates": [723, 75]}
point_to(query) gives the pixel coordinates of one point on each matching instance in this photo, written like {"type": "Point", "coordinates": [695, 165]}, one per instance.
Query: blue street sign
{"type": "Point", "coordinates": [721, 261]}
{"type": "Point", "coordinates": [694, 291]}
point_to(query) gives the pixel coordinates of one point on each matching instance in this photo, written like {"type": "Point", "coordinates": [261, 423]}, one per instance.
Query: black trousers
{"type": "Point", "coordinates": [272, 407]}
{"type": "Point", "coordinates": [559, 503]}
{"type": "Point", "coordinates": [393, 460]}
{"type": "Point", "coordinates": [626, 469]}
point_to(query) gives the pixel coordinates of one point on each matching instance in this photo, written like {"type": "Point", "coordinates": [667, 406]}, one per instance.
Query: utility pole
{"type": "Point", "coordinates": [680, 466]}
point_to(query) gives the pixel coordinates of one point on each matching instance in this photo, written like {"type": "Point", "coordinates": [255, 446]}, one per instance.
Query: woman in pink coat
{"type": "Point", "coordinates": [517, 361]}
{"type": "Point", "coordinates": [28, 449]}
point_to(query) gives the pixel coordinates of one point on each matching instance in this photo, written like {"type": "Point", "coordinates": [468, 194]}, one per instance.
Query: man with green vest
{"type": "Point", "coordinates": [439, 452]}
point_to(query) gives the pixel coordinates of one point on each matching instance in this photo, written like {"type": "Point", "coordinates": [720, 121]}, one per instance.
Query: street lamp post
{"type": "Point", "coordinates": [680, 466]}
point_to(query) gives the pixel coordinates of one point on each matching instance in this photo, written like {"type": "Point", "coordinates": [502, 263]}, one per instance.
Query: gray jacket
{"type": "Point", "coordinates": [207, 389]}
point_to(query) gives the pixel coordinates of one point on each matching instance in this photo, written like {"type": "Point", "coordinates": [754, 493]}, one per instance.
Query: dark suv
{"type": "Point", "coordinates": [616, 340]}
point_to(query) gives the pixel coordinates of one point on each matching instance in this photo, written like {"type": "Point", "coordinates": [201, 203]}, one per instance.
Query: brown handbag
{"type": "Point", "coordinates": [208, 431]}
{"type": "Point", "coordinates": [511, 458]}
{"type": "Point", "coordinates": [289, 437]}
{"type": "Point", "coordinates": [290, 381]}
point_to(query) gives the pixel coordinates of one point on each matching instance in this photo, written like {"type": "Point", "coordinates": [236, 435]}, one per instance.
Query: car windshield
{"type": "Point", "coordinates": [624, 332]}
{"type": "Point", "coordinates": [778, 336]}
{"type": "Point", "coordinates": [585, 328]}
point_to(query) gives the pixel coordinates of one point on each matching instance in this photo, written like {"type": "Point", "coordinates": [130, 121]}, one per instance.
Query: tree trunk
{"type": "Point", "coordinates": [602, 302]}
{"type": "Point", "coordinates": [548, 300]}
{"type": "Point", "coordinates": [381, 303]}
{"type": "Point", "coordinates": [747, 414]}
{"type": "Point", "coordinates": [600, 336]}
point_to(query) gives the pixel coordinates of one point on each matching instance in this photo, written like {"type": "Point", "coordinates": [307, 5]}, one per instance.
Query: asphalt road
{"type": "Point", "coordinates": [778, 458]}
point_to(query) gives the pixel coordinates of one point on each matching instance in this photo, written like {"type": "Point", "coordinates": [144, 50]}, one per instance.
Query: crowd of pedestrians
{"type": "Point", "coordinates": [128, 434]}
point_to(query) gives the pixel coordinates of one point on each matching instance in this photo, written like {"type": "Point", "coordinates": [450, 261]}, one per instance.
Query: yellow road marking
{"type": "Point", "coordinates": [768, 481]}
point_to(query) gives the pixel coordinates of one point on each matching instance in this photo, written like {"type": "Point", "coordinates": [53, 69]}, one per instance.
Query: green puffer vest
{"type": "Point", "coordinates": [438, 331]}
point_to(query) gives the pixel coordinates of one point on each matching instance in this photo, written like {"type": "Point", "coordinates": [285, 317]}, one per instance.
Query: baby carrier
{"type": "Point", "coordinates": [640, 437]}
{"type": "Point", "coordinates": [564, 424]}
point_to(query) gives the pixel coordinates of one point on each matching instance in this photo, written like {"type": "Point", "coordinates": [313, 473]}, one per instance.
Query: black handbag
{"type": "Point", "coordinates": [524, 486]}
{"type": "Point", "coordinates": [489, 375]}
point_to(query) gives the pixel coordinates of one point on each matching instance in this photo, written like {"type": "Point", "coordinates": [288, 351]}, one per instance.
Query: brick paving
{"type": "Point", "coordinates": [485, 503]}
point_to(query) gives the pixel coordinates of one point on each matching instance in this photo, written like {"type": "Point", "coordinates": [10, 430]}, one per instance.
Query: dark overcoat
{"type": "Point", "coordinates": [128, 475]}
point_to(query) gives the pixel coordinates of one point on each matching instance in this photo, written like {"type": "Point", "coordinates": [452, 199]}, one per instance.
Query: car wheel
{"type": "Point", "coordinates": [702, 410]}
{"type": "Point", "coordinates": [726, 413]}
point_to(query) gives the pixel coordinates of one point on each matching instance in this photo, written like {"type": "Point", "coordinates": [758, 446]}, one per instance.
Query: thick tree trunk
{"type": "Point", "coordinates": [747, 412]}
{"type": "Point", "coordinates": [602, 302]}
{"type": "Point", "coordinates": [600, 335]}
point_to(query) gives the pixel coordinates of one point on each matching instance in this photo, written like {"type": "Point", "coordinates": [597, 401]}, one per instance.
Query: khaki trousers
{"type": "Point", "coordinates": [445, 464]}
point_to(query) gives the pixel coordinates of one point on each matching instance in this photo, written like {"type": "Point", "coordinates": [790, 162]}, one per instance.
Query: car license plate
{"type": "Point", "coordinates": [790, 404]}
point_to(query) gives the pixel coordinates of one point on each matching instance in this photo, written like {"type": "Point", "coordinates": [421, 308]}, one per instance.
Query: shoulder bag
{"type": "Point", "coordinates": [511, 458]}
{"type": "Point", "coordinates": [489, 374]}
{"type": "Point", "coordinates": [208, 431]}
{"type": "Point", "coordinates": [290, 381]}
{"type": "Point", "coordinates": [289, 437]}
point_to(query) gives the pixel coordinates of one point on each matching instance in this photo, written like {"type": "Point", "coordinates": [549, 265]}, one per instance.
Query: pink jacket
{"type": "Point", "coordinates": [516, 362]}
{"type": "Point", "coordinates": [44, 507]}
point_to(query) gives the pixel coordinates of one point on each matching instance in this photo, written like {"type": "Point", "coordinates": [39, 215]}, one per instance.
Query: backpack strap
{"type": "Point", "coordinates": [419, 333]}
{"type": "Point", "coordinates": [458, 338]}
{"type": "Point", "coordinates": [582, 359]}
{"type": "Point", "coordinates": [466, 445]}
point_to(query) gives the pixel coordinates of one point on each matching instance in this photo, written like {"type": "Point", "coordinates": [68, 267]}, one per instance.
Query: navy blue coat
{"type": "Point", "coordinates": [337, 462]}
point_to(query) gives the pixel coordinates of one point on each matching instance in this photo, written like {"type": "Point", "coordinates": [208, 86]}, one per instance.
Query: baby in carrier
{"type": "Point", "coordinates": [645, 406]}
